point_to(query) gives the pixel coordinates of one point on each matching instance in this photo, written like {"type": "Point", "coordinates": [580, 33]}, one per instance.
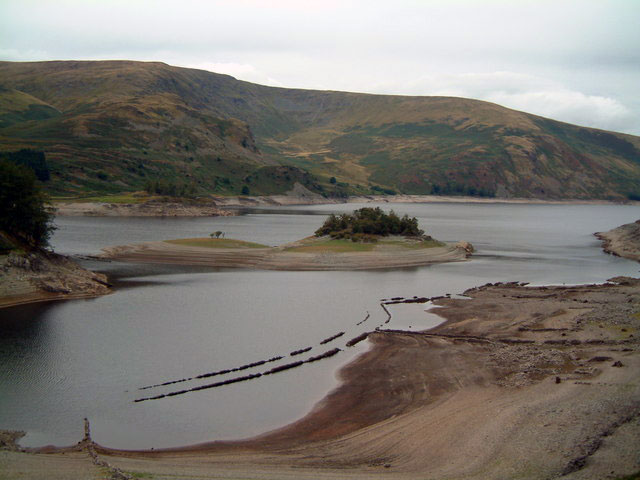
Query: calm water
{"type": "Point", "coordinates": [63, 361]}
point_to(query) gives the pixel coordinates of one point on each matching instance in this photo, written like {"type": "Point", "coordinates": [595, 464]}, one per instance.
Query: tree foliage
{"type": "Point", "coordinates": [170, 188]}
{"type": "Point", "coordinates": [25, 213]}
{"type": "Point", "coordinates": [32, 159]}
{"type": "Point", "coordinates": [369, 221]}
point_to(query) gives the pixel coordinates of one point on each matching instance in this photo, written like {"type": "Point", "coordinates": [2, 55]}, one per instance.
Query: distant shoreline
{"type": "Point", "coordinates": [218, 206]}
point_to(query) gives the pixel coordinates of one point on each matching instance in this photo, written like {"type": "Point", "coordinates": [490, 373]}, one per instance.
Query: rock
{"type": "Point", "coordinates": [466, 246]}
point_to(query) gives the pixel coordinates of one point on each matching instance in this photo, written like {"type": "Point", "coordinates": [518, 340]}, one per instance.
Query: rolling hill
{"type": "Point", "coordinates": [115, 126]}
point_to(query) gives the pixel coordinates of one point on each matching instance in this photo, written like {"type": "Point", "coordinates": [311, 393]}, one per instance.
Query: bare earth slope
{"type": "Point", "coordinates": [623, 241]}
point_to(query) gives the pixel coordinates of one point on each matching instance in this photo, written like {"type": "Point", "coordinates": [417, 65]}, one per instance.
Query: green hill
{"type": "Point", "coordinates": [113, 126]}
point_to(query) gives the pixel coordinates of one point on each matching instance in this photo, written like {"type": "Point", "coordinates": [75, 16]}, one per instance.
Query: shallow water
{"type": "Point", "coordinates": [60, 362]}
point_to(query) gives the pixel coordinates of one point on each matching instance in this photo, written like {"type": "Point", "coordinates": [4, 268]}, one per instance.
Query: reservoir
{"type": "Point", "coordinates": [63, 361]}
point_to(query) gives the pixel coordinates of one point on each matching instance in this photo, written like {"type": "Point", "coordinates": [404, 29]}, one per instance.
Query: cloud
{"type": "Point", "coordinates": [15, 55]}
{"type": "Point", "coordinates": [570, 106]}
{"type": "Point", "coordinates": [529, 93]}
{"type": "Point", "coordinates": [241, 71]}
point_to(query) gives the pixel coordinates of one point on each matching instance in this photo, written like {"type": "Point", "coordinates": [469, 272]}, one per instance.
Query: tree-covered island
{"type": "Point", "coordinates": [367, 224]}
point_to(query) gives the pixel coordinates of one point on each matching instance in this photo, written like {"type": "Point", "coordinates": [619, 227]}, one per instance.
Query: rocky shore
{"type": "Point", "coordinates": [623, 241]}
{"type": "Point", "coordinates": [41, 276]}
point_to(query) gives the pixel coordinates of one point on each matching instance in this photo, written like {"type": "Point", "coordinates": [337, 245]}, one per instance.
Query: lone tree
{"type": "Point", "coordinates": [25, 212]}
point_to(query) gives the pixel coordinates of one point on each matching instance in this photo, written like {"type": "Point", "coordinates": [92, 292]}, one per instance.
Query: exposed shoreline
{"type": "Point", "coordinates": [517, 379]}
{"type": "Point", "coordinates": [279, 258]}
{"type": "Point", "coordinates": [45, 276]}
{"type": "Point", "coordinates": [219, 206]}
{"type": "Point", "coordinates": [623, 241]}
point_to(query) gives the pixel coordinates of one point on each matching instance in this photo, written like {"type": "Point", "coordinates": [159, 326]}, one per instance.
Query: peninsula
{"type": "Point", "coordinates": [366, 239]}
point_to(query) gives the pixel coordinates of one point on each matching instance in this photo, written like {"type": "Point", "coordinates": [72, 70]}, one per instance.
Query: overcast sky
{"type": "Point", "coordinates": [577, 61]}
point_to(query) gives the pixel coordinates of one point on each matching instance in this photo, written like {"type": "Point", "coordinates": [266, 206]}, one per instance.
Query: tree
{"type": "Point", "coordinates": [369, 221]}
{"type": "Point", "coordinates": [30, 158]}
{"type": "Point", "coordinates": [25, 213]}
{"type": "Point", "coordinates": [332, 180]}
{"type": "Point", "coordinates": [245, 190]}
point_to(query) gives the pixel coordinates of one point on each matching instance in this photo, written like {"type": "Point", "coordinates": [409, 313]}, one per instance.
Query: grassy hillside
{"type": "Point", "coordinates": [110, 127]}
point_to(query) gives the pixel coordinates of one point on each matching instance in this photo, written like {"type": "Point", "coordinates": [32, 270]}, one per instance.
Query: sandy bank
{"type": "Point", "coordinates": [280, 258]}
{"type": "Point", "coordinates": [43, 276]}
{"type": "Point", "coordinates": [518, 382]}
{"type": "Point", "coordinates": [623, 241]}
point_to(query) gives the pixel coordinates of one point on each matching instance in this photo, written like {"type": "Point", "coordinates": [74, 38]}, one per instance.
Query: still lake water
{"type": "Point", "coordinates": [63, 361]}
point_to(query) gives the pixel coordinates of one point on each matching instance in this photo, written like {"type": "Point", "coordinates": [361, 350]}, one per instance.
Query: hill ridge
{"type": "Point", "coordinates": [121, 123]}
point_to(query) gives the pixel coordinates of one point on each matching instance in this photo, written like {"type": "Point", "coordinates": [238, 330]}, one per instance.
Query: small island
{"type": "Point", "coordinates": [368, 238]}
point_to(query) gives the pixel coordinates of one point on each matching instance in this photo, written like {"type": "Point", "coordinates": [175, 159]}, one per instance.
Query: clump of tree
{"type": "Point", "coordinates": [26, 214]}
{"type": "Point", "coordinates": [33, 159]}
{"type": "Point", "coordinates": [170, 188]}
{"type": "Point", "coordinates": [367, 223]}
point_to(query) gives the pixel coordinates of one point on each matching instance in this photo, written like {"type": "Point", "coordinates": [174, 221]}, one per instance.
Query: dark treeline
{"type": "Point", "coordinates": [369, 221]}
{"type": "Point", "coordinates": [170, 188]}
{"type": "Point", "coordinates": [32, 159]}
{"type": "Point", "coordinates": [25, 214]}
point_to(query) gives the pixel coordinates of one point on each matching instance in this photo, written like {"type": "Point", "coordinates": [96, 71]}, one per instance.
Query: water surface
{"type": "Point", "coordinates": [63, 361]}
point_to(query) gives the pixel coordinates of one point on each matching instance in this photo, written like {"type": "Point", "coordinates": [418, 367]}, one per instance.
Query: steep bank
{"type": "Point", "coordinates": [623, 241]}
{"type": "Point", "coordinates": [42, 276]}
